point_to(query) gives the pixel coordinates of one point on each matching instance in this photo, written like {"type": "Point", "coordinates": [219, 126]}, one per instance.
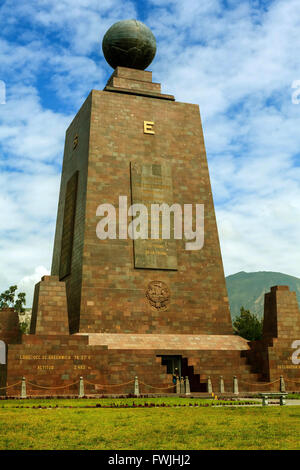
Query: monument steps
{"type": "Point", "coordinates": [249, 368]}
{"type": "Point", "coordinates": [194, 379]}
{"type": "Point", "coordinates": [254, 366]}
{"type": "Point", "coordinates": [198, 380]}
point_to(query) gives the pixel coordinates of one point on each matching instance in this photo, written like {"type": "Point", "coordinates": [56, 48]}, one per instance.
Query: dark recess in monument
{"type": "Point", "coordinates": [68, 227]}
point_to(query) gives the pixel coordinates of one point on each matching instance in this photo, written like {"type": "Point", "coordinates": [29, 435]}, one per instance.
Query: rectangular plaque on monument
{"type": "Point", "coordinates": [151, 183]}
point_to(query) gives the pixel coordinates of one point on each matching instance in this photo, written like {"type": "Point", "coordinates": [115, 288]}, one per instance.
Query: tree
{"type": "Point", "coordinates": [9, 299]}
{"type": "Point", "coordinates": [25, 326]}
{"type": "Point", "coordinates": [248, 325]}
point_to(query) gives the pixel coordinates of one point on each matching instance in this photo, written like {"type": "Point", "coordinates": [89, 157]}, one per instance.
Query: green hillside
{"type": "Point", "coordinates": [248, 289]}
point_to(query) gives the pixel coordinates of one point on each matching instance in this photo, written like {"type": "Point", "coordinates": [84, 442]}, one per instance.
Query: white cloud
{"type": "Point", "coordinates": [26, 283]}
{"type": "Point", "coordinates": [79, 24]}
{"type": "Point", "coordinates": [28, 131]}
{"type": "Point", "coordinates": [31, 147]}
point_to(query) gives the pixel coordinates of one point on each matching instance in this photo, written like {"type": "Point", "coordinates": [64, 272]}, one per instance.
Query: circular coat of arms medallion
{"type": "Point", "coordinates": [158, 295]}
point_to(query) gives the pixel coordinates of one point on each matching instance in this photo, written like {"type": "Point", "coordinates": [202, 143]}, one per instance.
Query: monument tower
{"type": "Point", "coordinates": [132, 140]}
{"type": "Point", "coordinates": [119, 306]}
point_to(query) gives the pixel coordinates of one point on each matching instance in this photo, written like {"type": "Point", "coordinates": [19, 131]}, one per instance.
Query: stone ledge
{"type": "Point", "coordinates": [167, 341]}
{"type": "Point", "coordinates": [136, 92]}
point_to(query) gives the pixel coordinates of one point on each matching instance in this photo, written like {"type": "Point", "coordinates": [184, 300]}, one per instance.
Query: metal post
{"type": "Point", "coordinates": [235, 385]}
{"type": "Point", "coordinates": [282, 400]}
{"type": "Point", "coordinates": [182, 388]}
{"type": "Point", "coordinates": [222, 388]}
{"type": "Point", "coordinates": [81, 388]}
{"type": "Point", "coordinates": [282, 384]}
{"type": "Point", "coordinates": [187, 386]}
{"type": "Point", "coordinates": [178, 385]}
{"type": "Point", "coordinates": [209, 385]}
{"type": "Point", "coordinates": [265, 401]}
{"type": "Point", "coordinates": [23, 388]}
{"type": "Point", "coordinates": [136, 386]}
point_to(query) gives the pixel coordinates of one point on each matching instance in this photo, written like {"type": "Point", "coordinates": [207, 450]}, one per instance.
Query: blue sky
{"type": "Point", "coordinates": [236, 59]}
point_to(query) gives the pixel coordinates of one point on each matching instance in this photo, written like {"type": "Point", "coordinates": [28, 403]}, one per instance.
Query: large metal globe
{"type": "Point", "coordinates": [129, 43]}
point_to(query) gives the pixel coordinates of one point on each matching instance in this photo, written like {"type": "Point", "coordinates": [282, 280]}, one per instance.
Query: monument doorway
{"type": "Point", "coordinates": [184, 370]}
{"type": "Point", "coordinates": [173, 364]}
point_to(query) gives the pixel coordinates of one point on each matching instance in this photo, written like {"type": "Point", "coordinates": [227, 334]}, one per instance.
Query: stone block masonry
{"type": "Point", "coordinates": [112, 292]}
{"type": "Point", "coordinates": [114, 309]}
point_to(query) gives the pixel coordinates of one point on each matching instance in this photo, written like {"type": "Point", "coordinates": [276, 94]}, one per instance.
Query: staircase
{"type": "Point", "coordinates": [248, 376]}
{"type": "Point", "coordinates": [194, 379]}
{"type": "Point", "coordinates": [187, 371]}
{"type": "Point", "coordinates": [248, 372]}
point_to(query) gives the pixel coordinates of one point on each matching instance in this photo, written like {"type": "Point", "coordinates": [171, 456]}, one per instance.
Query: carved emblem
{"type": "Point", "coordinates": [158, 295]}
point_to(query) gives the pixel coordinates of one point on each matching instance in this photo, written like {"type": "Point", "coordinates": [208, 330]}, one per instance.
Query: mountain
{"type": "Point", "coordinates": [248, 289]}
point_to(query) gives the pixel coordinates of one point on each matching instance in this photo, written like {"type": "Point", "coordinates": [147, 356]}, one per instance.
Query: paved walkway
{"type": "Point", "coordinates": [272, 402]}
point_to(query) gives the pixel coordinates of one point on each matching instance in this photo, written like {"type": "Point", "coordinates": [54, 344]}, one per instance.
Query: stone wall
{"type": "Point", "coordinates": [110, 128]}
{"type": "Point", "coordinates": [75, 159]}
{"type": "Point", "coordinates": [9, 326]}
{"type": "Point", "coordinates": [272, 356]}
{"type": "Point", "coordinates": [49, 312]}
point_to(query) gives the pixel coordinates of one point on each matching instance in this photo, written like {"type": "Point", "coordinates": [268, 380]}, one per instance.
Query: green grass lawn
{"type": "Point", "coordinates": [175, 428]}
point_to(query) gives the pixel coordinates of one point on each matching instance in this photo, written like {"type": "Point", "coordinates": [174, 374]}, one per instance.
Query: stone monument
{"type": "Point", "coordinates": [119, 307]}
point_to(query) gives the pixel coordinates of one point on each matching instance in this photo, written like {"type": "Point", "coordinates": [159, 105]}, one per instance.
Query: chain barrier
{"type": "Point", "coordinates": [10, 386]}
{"type": "Point", "coordinates": [293, 381]}
{"type": "Point", "coordinates": [53, 388]}
{"type": "Point", "coordinates": [107, 385]}
{"type": "Point", "coordinates": [158, 388]}
{"type": "Point", "coordinates": [254, 384]}
{"type": "Point", "coordinates": [259, 383]}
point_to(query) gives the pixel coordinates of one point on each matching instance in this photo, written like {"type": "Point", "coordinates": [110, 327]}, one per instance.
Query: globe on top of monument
{"type": "Point", "coordinates": [129, 43]}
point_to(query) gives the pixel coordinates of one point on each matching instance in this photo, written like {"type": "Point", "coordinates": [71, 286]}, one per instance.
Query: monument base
{"type": "Point", "coordinates": [109, 362]}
